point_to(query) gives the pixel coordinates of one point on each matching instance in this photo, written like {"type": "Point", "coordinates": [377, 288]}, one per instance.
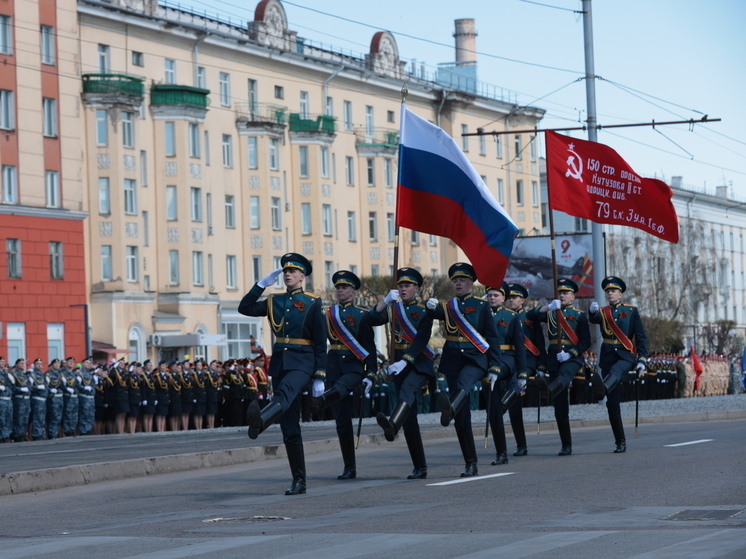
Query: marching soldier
{"type": "Point", "coordinates": [471, 351]}
{"type": "Point", "coordinates": [412, 368]}
{"type": "Point", "coordinates": [569, 337]}
{"type": "Point", "coordinates": [351, 359]}
{"type": "Point", "coordinates": [299, 353]}
{"type": "Point", "coordinates": [625, 347]}
{"type": "Point", "coordinates": [39, 393]}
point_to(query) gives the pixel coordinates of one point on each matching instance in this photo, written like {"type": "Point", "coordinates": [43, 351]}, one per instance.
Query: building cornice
{"type": "Point", "coordinates": [48, 213]}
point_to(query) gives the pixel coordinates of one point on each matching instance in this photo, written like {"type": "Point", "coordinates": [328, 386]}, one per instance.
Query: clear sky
{"type": "Point", "coordinates": [660, 60]}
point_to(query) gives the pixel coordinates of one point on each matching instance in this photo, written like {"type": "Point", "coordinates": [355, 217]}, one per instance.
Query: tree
{"type": "Point", "coordinates": [718, 336]}
{"type": "Point", "coordinates": [664, 336]}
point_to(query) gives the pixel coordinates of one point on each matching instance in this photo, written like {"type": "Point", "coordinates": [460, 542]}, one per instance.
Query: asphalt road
{"type": "Point", "coordinates": [655, 501]}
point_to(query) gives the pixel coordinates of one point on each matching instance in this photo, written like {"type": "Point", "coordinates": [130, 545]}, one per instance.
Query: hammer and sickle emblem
{"type": "Point", "coordinates": [574, 164]}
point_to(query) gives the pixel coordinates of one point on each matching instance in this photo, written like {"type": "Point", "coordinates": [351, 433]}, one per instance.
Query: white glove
{"type": "Point", "coordinates": [261, 396]}
{"type": "Point", "coordinates": [87, 388]}
{"type": "Point", "coordinates": [318, 388]}
{"type": "Point", "coordinates": [367, 395]}
{"type": "Point", "coordinates": [24, 389]}
{"type": "Point", "coordinates": [2, 388]}
{"type": "Point", "coordinates": [563, 356]}
{"type": "Point", "coordinates": [270, 278]}
{"type": "Point", "coordinates": [492, 377]}
{"type": "Point", "coordinates": [144, 403]}
{"type": "Point", "coordinates": [432, 303]}
{"type": "Point", "coordinates": [80, 380]}
{"type": "Point", "coordinates": [397, 367]}
{"type": "Point", "coordinates": [640, 367]}
{"type": "Point", "coordinates": [521, 383]}
{"type": "Point", "coordinates": [555, 305]}
{"type": "Point", "coordinates": [39, 387]}
{"type": "Point", "coordinates": [193, 402]}
{"type": "Point", "coordinates": [368, 385]}
{"type": "Point", "coordinates": [70, 390]}
{"type": "Point", "coordinates": [155, 403]}
{"type": "Point", "coordinates": [540, 374]}
{"type": "Point", "coordinates": [31, 381]}
{"type": "Point", "coordinates": [392, 296]}
{"type": "Point", "coordinates": [593, 307]}
{"type": "Point", "coordinates": [53, 390]}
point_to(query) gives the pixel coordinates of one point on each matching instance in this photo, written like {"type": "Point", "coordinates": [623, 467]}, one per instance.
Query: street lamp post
{"type": "Point", "coordinates": [88, 348]}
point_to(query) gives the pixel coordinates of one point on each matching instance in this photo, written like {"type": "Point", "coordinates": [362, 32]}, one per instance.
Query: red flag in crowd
{"type": "Point", "coordinates": [591, 180]}
{"type": "Point", "coordinates": [697, 368]}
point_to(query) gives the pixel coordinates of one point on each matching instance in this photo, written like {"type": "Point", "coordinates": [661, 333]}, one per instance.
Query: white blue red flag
{"type": "Point", "coordinates": [440, 193]}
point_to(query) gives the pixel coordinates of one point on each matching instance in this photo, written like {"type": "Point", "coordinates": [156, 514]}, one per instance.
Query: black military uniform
{"type": "Point", "coordinates": [412, 325]}
{"type": "Point", "coordinates": [569, 337]}
{"type": "Point", "coordinates": [351, 358]}
{"type": "Point", "coordinates": [298, 354]}
{"type": "Point", "coordinates": [471, 351]}
{"type": "Point", "coordinates": [624, 347]}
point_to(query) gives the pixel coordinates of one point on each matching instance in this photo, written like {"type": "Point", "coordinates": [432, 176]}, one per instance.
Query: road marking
{"type": "Point", "coordinates": [476, 478]}
{"type": "Point", "coordinates": [718, 544]}
{"type": "Point", "coordinates": [209, 547]}
{"type": "Point", "coordinates": [539, 544]}
{"type": "Point", "coordinates": [690, 442]}
{"type": "Point", "coordinates": [61, 544]}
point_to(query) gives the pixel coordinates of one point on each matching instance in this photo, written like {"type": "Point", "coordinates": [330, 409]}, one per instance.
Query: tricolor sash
{"type": "Point", "coordinates": [465, 327]}
{"type": "Point", "coordinates": [566, 328]}
{"type": "Point", "coordinates": [611, 324]}
{"type": "Point", "coordinates": [344, 335]}
{"type": "Point", "coordinates": [408, 331]}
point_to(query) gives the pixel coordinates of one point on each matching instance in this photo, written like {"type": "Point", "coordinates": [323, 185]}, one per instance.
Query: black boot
{"type": "Point", "coordinates": [297, 461]}
{"type": "Point", "coordinates": [450, 407]}
{"type": "Point", "coordinates": [563, 426]}
{"type": "Point", "coordinates": [392, 425]}
{"type": "Point", "coordinates": [417, 453]}
{"type": "Point", "coordinates": [565, 451]}
{"type": "Point", "coordinates": [509, 399]}
{"type": "Point", "coordinates": [553, 388]}
{"type": "Point", "coordinates": [331, 396]}
{"type": "Point", "coordinates": [469, 451]}
{"type": "Point", "coordinates": [610, 384]}
{"type": "Point", "coordinates": [347, 446]}
{"type": "Point", "coordinates": [618, 428]}
{"type": "Point", "coordinates": [502, 458]}
{"type": "Point", "coordinates": [260, 419]}
{"type": "Point", "coordinates": [521, 451]}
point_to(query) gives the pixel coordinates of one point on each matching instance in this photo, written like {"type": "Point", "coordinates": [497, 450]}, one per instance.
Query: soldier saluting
{"type": "Point", "coordinates": [298, 354]}
{"type": "Point", "coordinates": [625, 346]}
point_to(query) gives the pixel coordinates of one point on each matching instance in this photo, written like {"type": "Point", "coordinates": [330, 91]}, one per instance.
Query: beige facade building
{"type": "Point", "coordinates": [212, 149]}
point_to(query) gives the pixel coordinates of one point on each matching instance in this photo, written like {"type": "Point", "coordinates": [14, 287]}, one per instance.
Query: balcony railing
{"type": "Point", "coordinates": [113, 83]}
{"type": "Point", "coordinates": [385, 137]}
{"type": "Point", "coordinates": [262, 113]}
{"type": "Point", "coordinates": [325, 124]}
{"type": "Point", "coordinates": [182, 95]}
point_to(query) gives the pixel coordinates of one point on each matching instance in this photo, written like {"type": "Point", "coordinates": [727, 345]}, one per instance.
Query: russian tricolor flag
{"type": "Point", "coordinates": [440, 193]}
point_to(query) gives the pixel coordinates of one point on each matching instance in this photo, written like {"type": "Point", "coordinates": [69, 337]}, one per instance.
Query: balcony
{"type": "Point", "coordinates": [113, 89]}
{"type": "Point", "coordinates": [371, 142]}
{"type": "Point", "coordinates": [261, 117]}
{"type": "Point", "coordinates": [168, 99]}
{"type": "Point", "coordinates": [314, 123]}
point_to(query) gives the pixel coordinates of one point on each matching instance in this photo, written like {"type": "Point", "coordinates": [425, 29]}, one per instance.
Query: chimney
{"type": "Point", "coordinates": [721, 191]}
{"type": "Point", "coordinates": [466, 41]}
{"type": "Point", "coordinates": [676, 182]}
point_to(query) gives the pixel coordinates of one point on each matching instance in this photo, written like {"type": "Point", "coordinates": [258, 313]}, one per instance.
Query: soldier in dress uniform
{"type": "Point", "coordinates": [70, 398]}
{"type": "Point", "coordinates": [213, 386]}
{"type": "Point", "coordinates": [569, 337]}
{"type": "Point", "coordinates": [471, 352]}
{"type": "Point", "coordinates": [21, 400]}
{"type": "Point", "coordinates": [86, 397]}
{"type": "Point", "coordinates": [351, 359]}
{"type": "Point", "coordinates": [6, 402]}
{"type": "Point", "coordinates": [118, 396]}
{"type": "Point", "coordinates": [298, 355]}
{"type": "Point", "coordinates": [149, 400]}
{"type": "Point", "coordinates": [412, 367]}
{"type": "Point", "coordinates": [56, 385]}
{"type": "Point", "coordinates": [39, 394]}
{"type": "Point", "coordinates": [262, 380]}
{"type": "Point", "coordinates": [236, 393]}
{"type": "Point", "coordinates": [199, 379]}
{"type": "Point", "coordinates": [161, 380]}
{"type": "Point", "coordinates": [625, 347]}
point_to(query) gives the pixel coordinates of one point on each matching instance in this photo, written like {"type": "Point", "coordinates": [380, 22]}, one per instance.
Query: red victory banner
{"type": "Point", "coordinates": [591, 180]}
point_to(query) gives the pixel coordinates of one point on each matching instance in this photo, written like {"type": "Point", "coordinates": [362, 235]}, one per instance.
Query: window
{"type": "Point", "coordinates": [10, 185]}
{"type": "Point", "coordinates": [276, 214]}
{"type": "Point", "coordinates": [231, 272]}
{"type": "Point", "coordinates": [498, 146]}
{"type": "Point", "coordinates": [145, 229]}
{"type": "Point", "coordinates": [391, 227]}
{"type": "Point", "coordinates": [370, 171]}
{"type": "Point", "coordinates": [102, 128]}
{"type": "Point", "coordinates": [304, 104]}
{"type": "Point", "coordinates": [388, 172]}
{"type": "Point", "coordinates": [519, 192]}
{"type": "Point", "coordinates": [347, 115]}
{"type": "Point", "coordinates": [328, 274]}
{"type": "Point", "coordinates": [256, 265]}
{"type": "Point", "coordinates": [390, 116]}
{"type": "Point", "coordinates": [171, 209]}
{"type": "Point", "coordinates": [372, 226]}
{"type": "Point", "coordinates": [138, 58]}
{"type": "Point", "coordinates": [143, 168]}
{"type": "Point", "coordinates": [173, 267]}
{"type": "Point", "coordinates": [279, 92]}
{"type": "Point", "coordinates": [482, 145]}
{"type": "Point", "coordinates": [415, 238]}
{"type": "Point", "coordinates": [208, 212]}
{"type": "Point", "coordinates": [207, 147]}
{"type": "Point", "coordinates": [7, 110]}
{"type": "Point", "coordinates": [198, 268]}
{"type": "Point", "coordinates": [225, 89]}
{"type": "Point", "coordinates": [106, 263]}
{"type": "Point", "coordinates": [194, 150]}
{"type": "Point", "coordinates": [132, 264]}
{"type": "Point", "coordinates": [518, 147]}
{"type": "Point", "coordinates": [104, 196]}
{"type": "Point", "coordinates": [464, 139]}
{"type": "Point", "coordinates": [351, 227]}
{"type": "Point", "coordinates": [433, 241]}
{"type": "Point", "coordinates": [230, 212]}
{"type": "Point", "coordinates": [305, 218]}
{"type": "Point", "coordinates": [56, 270]}
{"type": "Point", "coordinates": [52, 184]}
{"type": "Point", "coordinates": [374, 270]}
{"type": "Point", "coordinates": [500, 192]}
{"type": "Point", "coordinates": [50, 117]}
{"type": "Point", "coordinates": [128, 129]}
{"type": "Point", "coordinates": [196, 203]}
{"type": "Point", "coordinates": [326, 219]}
{"type": "Point", "coordinates": [369, 121]}
{"type": "Point", "coordinates": [324, 155]}
{"type": "Point", "coordinates": [303, 161]}
{"type": "Point", "coordinates": [535, 193]}
{"type": "Point", "coordinates": [201, 77]}
{"type": "Point", "coordinates": [581, 225]}
{"type": "Point", "coordinates": [253, 95]}
{"type": "Point", "coordinates": [104, 65]}
{"type": "Point", "coordinates": [254, 212]}
{"type": "Point", "coordinates": [349, 170]}
{"type": "Point", "coordinates": [274, 154]}
{"type": "Point", "coordinates": [227, 151]}
{"type": "Point", "coordinates": [170, 132]}
{"type": "Point", "coordinates": [130, 197]}
{"type": "Point", "coordinates": [170, 68]}
{"type": "Point", "coordinates": [47, 44]}
{"type": "Point", "coordinates": [6, 35]}
{"type": "Point", "coordinates": [532, 148]}
{"type": "Point", "coordinates": [329, 106]}
{"type": "Point", "coordinates": [252, 155]}
{"type": "Point", "coordinates": [13, 248]}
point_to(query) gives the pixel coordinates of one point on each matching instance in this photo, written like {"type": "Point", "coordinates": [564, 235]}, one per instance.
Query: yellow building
{"type": "Point", "coordinates": [211, 149]}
